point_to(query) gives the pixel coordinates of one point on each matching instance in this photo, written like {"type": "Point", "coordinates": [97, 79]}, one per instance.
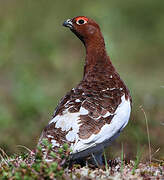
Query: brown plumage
{"type": "Point", "coordinates": [94, 113]}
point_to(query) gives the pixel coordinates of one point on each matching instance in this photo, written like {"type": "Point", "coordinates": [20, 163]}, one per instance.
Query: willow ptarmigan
{"type": "Point", "coordinates": [93, 113]}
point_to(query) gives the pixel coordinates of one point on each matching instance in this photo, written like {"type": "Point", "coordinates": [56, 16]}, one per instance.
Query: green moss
{"type": "Point", "coordinates": [19, 168]}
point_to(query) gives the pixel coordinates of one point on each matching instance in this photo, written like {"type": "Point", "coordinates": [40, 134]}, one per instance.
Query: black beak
{"type": "Point", "coordinates": [68, 23]}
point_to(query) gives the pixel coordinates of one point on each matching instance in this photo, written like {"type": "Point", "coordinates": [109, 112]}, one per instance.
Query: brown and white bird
{"type": "Point", "coordinates": [93, 113]}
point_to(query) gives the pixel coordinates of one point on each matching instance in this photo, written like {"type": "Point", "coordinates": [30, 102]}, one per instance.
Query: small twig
{"type": "Point", "coordinates": [95, 160]}
{"type": "Point", "coordinates": [158, 160]}
{"type": "Point", "coordinates": [155, 152]}
{"type": "Point", "coordinates": [148, 135]}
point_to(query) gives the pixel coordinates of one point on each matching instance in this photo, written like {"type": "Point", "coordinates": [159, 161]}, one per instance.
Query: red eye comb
{"type": "Point", "coordinates": [81, 17]}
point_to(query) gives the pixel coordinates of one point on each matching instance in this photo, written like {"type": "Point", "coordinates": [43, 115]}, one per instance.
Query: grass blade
{"type": "Point", "coordinates": [122, 158]}
{"type": "Point", "coordinates": [106, 163]}
{"type": "Point", "coordinates": [136, 163]}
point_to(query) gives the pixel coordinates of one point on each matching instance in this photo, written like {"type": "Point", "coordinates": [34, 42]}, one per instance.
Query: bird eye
{"type": "Point", "coordinates": [81, 21]}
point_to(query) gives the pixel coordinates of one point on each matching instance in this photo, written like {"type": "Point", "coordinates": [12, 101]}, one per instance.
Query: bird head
{"type": "Point", "coordinates": [83, 27]}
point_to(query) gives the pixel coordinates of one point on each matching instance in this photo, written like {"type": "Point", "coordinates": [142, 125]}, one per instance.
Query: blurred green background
{"type": "Point", "coordinates": [40, 61]}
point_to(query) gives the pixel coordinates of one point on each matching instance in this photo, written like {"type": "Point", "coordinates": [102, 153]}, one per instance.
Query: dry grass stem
{"type": "Point", "coordinates": [148, 135]}
{"type": "Point", "coordinates": [4, 154]}
{"type": "Point", "coordinates": [3, 160]}
{"type": "Point", "coordinates": [29, 150]}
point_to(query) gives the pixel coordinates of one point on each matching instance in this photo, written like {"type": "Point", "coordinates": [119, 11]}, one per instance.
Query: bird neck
{"type": "Point", "coordinates": [97, 59]}
{"type": "Point", "coordinates": [95, 52]}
